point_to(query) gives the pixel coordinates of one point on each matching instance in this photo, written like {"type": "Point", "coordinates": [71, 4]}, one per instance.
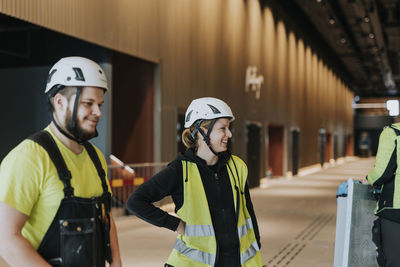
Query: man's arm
{"type": "Point", "coordinates": [14, 248]}
{"type": "Point", "coordinates": [116, 257]}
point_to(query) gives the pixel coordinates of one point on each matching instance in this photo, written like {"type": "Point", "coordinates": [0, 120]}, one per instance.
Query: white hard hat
{"type": "Point", "coordinates": [76, 71]}
{"type": "Point", "coordinates": [207, 108]}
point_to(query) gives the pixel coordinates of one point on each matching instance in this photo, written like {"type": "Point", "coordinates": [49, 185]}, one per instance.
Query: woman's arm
{"type": "Point", "coordinates": [140, 203]}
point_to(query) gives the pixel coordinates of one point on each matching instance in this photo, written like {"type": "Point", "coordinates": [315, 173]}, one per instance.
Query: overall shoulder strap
{"type": "Point", "coordinates": [96, 161]}
{"type": "Point", "coordinates": [44, 139]}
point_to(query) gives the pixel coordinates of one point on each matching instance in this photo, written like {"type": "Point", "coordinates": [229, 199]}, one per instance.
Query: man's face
{"type": "Point", "coordinates": [88, 113]}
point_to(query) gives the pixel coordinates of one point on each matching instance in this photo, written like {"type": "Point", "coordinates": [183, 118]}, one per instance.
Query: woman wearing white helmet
{"type": "Point", "coordinates": [216, 225]}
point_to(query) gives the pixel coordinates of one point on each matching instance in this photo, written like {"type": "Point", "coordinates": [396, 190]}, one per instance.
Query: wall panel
{"type": "Point", "coordinates": [292, 82]}
{"type": "Point", "coordinates": [204, 48]}
{"type": "Point", "coordinates": [269, 47]}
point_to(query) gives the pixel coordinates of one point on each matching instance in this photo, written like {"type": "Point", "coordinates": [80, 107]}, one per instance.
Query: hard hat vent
{"type": "Point", "coordinates": [79, 74]}
{"type": "Point", "coordinates": [188, 116]}
{"type": "Point", "coordinates": [51, 75]}
{"type": "Point", "coordinates": [214, 109]}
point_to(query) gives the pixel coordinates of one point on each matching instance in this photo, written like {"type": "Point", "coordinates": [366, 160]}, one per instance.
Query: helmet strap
{"type": "Point", "coordinates": [196, 129]}
{"type": "Point", "coordinates": [206, 137]}
{"type": "Point", "coordinates": [78, 94]}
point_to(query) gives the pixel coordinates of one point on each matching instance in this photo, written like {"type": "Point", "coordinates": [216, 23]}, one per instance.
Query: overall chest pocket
{"type": "Point", "coordinates": [78, 242]}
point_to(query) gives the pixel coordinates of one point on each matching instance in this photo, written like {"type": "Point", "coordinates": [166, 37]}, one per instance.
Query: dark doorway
{"type": "Point", "coordinates": [335, 146]}
{"type": "Point", "coordinates": [253, 139]}
{"type": "Point", "coordinates": [328, 147]}
{"type": "Point", "coordinates": [349, 145]}
{"type": "Point", "coordinates": [132, 109]}
{"type": "Point", "coordinates": [180, 127]}
{"type": "Point", "coordinates": [275, 150]}
{"type": "Point", "coordinates": [322, 146]}
{"type": "Point", "coordinates": [295, 151]}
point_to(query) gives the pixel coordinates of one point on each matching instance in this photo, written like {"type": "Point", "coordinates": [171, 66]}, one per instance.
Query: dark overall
{"type": "Point", "coordinates": [79, 235]}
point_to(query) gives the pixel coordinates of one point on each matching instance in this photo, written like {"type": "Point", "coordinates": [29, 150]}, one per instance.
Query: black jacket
{"type": "Point", "coordinates": [218, 191]}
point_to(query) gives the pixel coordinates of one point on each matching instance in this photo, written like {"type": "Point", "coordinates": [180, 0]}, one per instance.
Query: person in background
{"type": "Point", "coordinates": [364, 144]}
{"type": "Point", "coordinates": [385, 178]}
{"type": "Point", "coordinates": [216, 224]}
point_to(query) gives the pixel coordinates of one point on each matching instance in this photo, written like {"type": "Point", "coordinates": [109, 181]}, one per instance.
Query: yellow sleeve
{"type": "Point", "coordinates": [20, 177]}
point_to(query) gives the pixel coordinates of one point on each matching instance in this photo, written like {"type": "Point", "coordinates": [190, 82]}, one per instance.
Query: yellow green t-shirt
{"type": "Point", "coordinates": [29, 183]}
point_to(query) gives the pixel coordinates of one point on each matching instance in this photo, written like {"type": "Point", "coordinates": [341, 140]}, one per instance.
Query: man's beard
{"type": "Point", "coordinates": [77, 132]}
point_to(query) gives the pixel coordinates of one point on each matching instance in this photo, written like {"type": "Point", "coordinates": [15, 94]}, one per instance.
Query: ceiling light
{"type": "Point", "coordinates": [318, 1]}
{"type": "Point", "coordinates": [343, 40]}
{"type": "Point", "coordinates": [332, 20]}
{"type": "Point", "coordinates": [367, 19]}
{"type": "Point", "coordinates": [371, 35]}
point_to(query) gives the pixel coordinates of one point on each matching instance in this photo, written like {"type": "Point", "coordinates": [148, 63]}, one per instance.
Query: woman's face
{"type": "Point", "coordinates": [219, 135]}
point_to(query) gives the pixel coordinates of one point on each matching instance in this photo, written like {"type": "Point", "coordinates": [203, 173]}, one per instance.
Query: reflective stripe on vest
{"type": "Point", "coordinates": [249, 253]}
{"type": "Point", "coordinates": [244, 229]}
{"type": "Point", "coordinates": [194, 254]}
{"type": "Point", "coordinates": [199, 230]}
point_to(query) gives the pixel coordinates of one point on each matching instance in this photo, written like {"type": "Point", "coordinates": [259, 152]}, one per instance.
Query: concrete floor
{"type": "Point", "coordinates": [296, 216]}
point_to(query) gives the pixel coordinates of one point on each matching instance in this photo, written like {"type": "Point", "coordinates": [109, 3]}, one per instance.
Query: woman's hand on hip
{"type": "Point", "coordinates": [181, 228]}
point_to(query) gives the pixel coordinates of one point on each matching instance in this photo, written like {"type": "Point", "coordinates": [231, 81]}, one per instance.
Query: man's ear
{"type": "Point", "coordinates": [59, 101]}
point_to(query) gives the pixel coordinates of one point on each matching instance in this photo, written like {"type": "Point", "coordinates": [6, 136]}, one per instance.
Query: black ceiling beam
{"type": "Point", "coordinates": [337, 9]}
{"type": "Point", "coordinates": [296, 19]}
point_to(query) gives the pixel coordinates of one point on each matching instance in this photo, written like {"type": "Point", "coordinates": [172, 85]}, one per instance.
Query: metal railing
{"type": "Point", "coordinates": [125, 178]}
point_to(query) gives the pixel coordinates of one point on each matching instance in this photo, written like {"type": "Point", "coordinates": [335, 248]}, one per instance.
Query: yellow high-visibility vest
{"type": "Point", "coordinates": [198, 246]}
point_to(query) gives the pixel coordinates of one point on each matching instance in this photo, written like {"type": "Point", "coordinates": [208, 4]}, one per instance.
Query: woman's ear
{"type": "Point", "coordinates": [204, 129]}
{"type": "Point", "coordinates": [199, 136]}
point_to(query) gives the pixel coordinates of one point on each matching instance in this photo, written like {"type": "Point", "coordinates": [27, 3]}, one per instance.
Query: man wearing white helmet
{"type": "Point", "coordinates": [54, 193]}
{"type": "Point", "coordinates": [216, 225]}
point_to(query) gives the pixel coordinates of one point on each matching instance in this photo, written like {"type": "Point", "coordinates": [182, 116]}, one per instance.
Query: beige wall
{"type": "Point", "coordinates": [204, 48]}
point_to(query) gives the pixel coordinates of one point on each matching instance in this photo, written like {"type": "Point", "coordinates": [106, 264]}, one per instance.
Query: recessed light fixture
{"type": "Point", "coordinates": [331, 21]}
{"type": "Point", "coordinates": [367, 19]}
{"type": "Point", "coordinates": [343, 40]}
{"type": "Point", "coordinates": [371, 35]}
